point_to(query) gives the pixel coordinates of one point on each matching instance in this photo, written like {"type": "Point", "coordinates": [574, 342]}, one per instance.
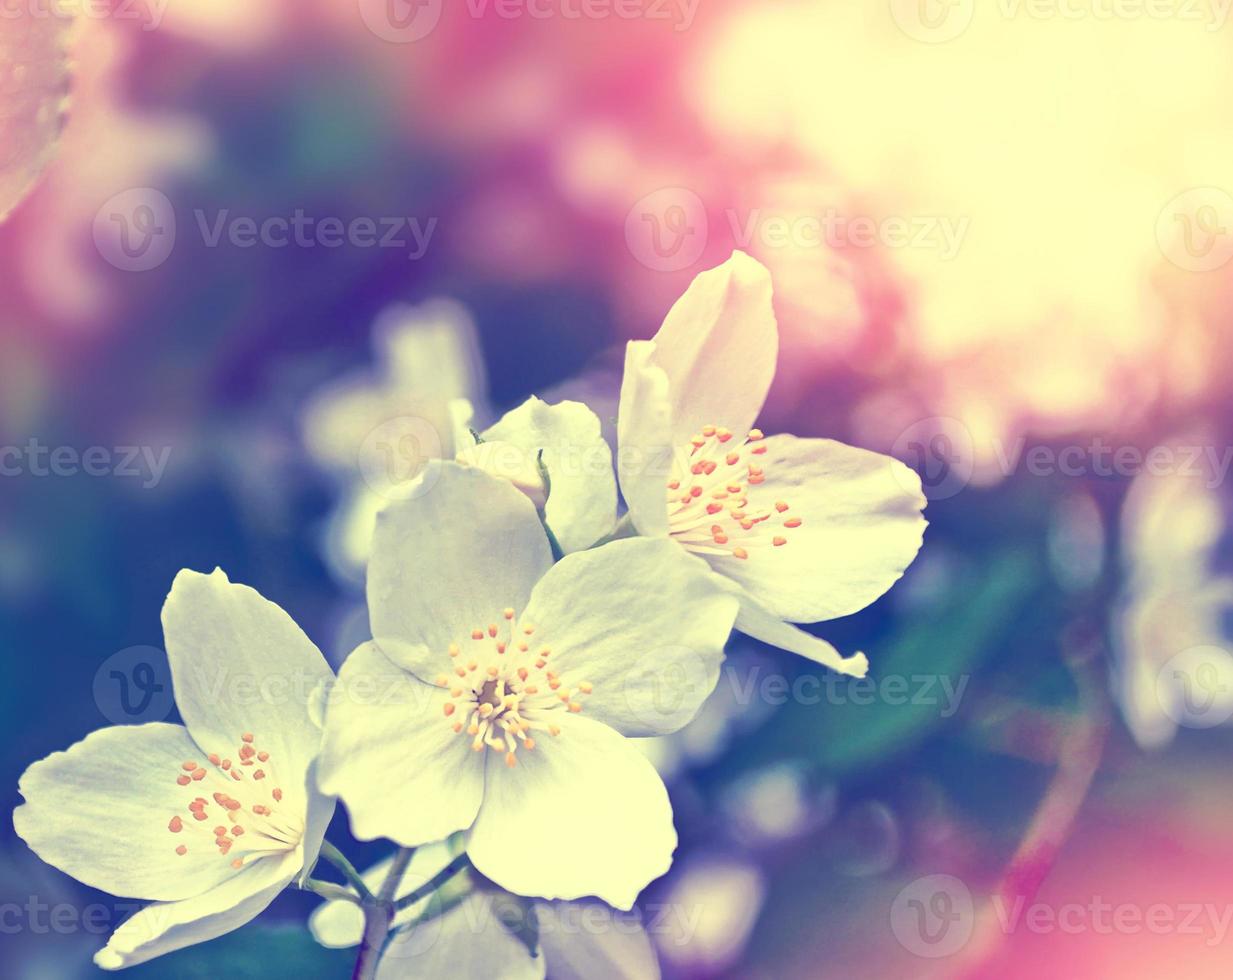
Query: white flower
{"type": "Point", "coordinates": [209, 820]}
{"type": "Point", "coordinates": [430, 372]}
{"type": "Point", "coordinates": [579, 504]}
{"type": "Point", "coordinates": [482, 643]}
{"type": "Point", "coordinates": [576, 939]}
{"type": "Point", "coordinates": [805, 529]}
{"type": "Point", "coordinates": [1171, 649]}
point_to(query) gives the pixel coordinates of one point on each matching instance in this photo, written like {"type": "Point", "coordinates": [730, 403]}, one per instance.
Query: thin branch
{"type": "Point", "coordinates": [339, 860]}
{"type": "Point", "coordinates": [439, 879]}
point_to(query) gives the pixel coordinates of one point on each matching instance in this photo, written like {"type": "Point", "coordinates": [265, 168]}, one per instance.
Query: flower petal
{"type": "Point", "coordinates": [468, 941]}
{"type": "Point", "coordinates": [339, 924]}
{"type": "Point", "coordinates": [718, 347]}
{"type": "Point", "coordinates": [644, 439]}
{"type": "Point", "coordinates": [167, 926]}
{"type": "Point", "coordinates": [449, 560]}
{"type": "Point", "coordinates": [589, 941]}
{"type": "Point", "coordinates": [393, 758]}
{"type": "Point", "coordinates": [101, 813]}
{"type": "Point", "coordinates": [761, 625]}
{"type": "Point", "coordinates": [581, 505]}
{"type": "Point", "coordinates": [239, 664]}
{"type": "Point", "coordinates": [641, 621]}
{"type": "Point", "coordinates": [431, 349]}
{"type": "Point", "coordinates": [860, 527]}
{"type": "Point", "coordinates": [584, 814]}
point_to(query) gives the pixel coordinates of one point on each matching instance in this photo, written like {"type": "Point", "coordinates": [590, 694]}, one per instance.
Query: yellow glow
{"type": "Point", "coordinates": [1060, 140]}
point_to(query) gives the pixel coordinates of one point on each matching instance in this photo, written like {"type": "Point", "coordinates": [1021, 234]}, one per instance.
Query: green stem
{"type": "Point", "coordinates": [436, 908]}
{"type": "Point", "coordinates": [339, 860]}
{"type": "Point", "coordinates": [379, 916]}
{"type": "Point", "coordinates": [439, 879]}
{"type": "Point", "coordinates": [389, 888]}
{"type": "Point", "coordinates": [331, 891]}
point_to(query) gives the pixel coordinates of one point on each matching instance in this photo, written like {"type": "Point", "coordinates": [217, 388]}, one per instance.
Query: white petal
{"type": "Point", "coordinates": [100, 812]}
{"type": "Point", "coordinates": [506, 461]}
{"type": "Point", "coordinates": [589, 941]}
{"type": "Point", "coordinates": [348, 534]}
{"type": "Point", "coordinates": [584, 814]}
{"type": "Point", "coordinates": [761, 625]}
{"type": "Point", "coordinates": [239, 664]}
{"type": "Point", "coordinates": [167, 926]}
{"type": "Point", "coordinates": [644, 439]}
{"type": "Point", "coordinates": [431, 349]}
{"type": "Point", "coordinates": [391, 755]}
{"type": "Point", "coordinates": [718, 347]}
{"type": "Point", "coordinates": [347, 416]}
{"type": "Point", "coordinates": [468, 941]}
{"type": "Point", "coordinates": [316, 821]}
{"type": "Point", "coordinates": [339, 924]}
{"type": "Point", "coordinates": [581, 505]}
{"type": "Point", "coordinates": [644, 623]}
{"type": "Point", "coordinates": [450, 560]}
{"type": "Point", "coordinates": [861, 527]}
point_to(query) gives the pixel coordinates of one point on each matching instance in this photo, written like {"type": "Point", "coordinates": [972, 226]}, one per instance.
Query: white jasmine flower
{"type": "Point", "coordinates": [211, 819]}
{"type": "Point", "coordinates": [499, 689]}
{"type": "Point", "coordinates": [566, 442]}
{"type": "Point", "coordinates": [804, 529]}
{"type": "Point", "coordinates": [1172, 660]}
{"type": "Point", "coordinates": [430, 372]}
{"type": "Point", "coordinates": [575, 939]}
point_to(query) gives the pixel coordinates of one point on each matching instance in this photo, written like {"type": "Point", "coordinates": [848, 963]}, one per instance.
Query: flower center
{"type": "Point", "coordinates": [709, 511]}
{"type": "Point", "coordinates": [241, 811]}
{"type": "Point", "coordinates": [502, 689]}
